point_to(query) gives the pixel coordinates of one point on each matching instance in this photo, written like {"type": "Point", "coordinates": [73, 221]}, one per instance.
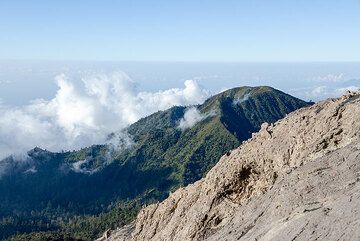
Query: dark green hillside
{"type": "Point", "coordinates": [81, 193]}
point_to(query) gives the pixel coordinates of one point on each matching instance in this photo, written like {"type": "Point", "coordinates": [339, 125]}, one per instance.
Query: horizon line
{"type": "Point", "coordinates": [178, 61]}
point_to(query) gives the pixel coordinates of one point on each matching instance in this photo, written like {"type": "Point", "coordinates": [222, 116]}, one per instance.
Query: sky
{"type": "Point", "coordinates": [72, 72]}
{"type": "Point", "coordinates": [186, 30]}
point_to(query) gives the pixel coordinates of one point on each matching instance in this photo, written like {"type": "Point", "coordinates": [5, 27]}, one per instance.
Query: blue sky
{"type": "Point", "coordinates": [196, 30]}
{"type": "Point", "coordinates": [56, 94]}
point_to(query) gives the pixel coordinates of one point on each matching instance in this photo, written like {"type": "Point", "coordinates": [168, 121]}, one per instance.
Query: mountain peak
{"type": "Point", "coordinates": [291, 180]}
{"type": "Point", "coordinates": [163, 152]}
{"type": "Point", "coordinates": [246, 90]}
{"type": "Point", "coordinates": [240, 95]}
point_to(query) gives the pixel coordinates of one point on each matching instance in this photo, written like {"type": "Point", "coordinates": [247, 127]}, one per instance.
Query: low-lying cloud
{"type": "Point", "coordinates": [338, 77]}
{"type": "Point", "coordinates": [81, 167]}
{"type": "Point", "coordinates": [192, 116]}
{"type": "Point", "coordinates": [17, 163]}
{"type": "Point", "coordinates": [83, 114]}
{"type": "Point", "coordinates": [322, 92]}
{"type": "Point", "coordinates": [242, 99]}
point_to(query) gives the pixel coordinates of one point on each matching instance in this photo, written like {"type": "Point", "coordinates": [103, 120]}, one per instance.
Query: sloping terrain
{"type": "Point", "coordinates": [297, 179]}
{"type": "Point", "coordinates": [53, 191]}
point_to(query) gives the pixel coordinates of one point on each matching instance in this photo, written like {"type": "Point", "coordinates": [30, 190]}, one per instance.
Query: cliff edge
{"type": "Point", "coordinates": [297, 179]}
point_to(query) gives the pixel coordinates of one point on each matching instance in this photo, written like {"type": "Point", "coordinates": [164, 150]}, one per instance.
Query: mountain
{"type": "Point", "coordinates": [296, 179]}
{"type": "Point", "coordinates": [81, 193]}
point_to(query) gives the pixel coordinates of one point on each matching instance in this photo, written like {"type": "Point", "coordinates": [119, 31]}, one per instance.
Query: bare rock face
{"type": "Point", "coordinates": [298, 179]}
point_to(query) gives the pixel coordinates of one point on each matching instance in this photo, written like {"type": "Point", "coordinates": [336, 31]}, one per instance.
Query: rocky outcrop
{"type": "Point", "coordinates": [297, 179]}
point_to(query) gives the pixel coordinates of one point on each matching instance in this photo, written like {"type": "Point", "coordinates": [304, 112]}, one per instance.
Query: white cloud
{"type": "Point", "coordinates": [323, 92]}
{"type": "Point", "coordinates": [192, 116]}
{"type": "Point", "coordinates": [342, 90]}
{"type": "Point", "coordinates": [331, 78]}
{"type": "Point", "coordinates": [80, 167]}
{"type": "Point", "coordinates": [82, 115]}
{"type": "Point", "coordinates": [319, 91]}
{"type": "Point", "coordinates": [242, 99]}
{"type": "Point", "coordinates": [18, 163]}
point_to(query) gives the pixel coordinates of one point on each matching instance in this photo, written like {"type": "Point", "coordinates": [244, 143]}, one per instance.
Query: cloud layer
{"type": "Point", "coordinates": [84, 114]}
{"type": "Point", "coordinates": [321, 92]}
{"type": "Point", "coordinates": [192, 116]}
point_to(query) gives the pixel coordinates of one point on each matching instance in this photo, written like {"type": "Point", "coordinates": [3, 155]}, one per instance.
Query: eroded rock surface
{"type": "Point", "coordinates": [295, 180]}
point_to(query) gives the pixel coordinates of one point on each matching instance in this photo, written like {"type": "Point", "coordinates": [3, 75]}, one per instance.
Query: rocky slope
{"type": "Point", "coordinates": [297, 179]}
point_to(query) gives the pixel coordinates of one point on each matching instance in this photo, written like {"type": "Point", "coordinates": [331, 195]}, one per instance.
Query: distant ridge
{"type": "Point", "coordinates": [164, 155]}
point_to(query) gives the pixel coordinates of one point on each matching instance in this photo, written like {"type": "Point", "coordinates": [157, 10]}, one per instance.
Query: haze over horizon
{"type": "Point", "coordinates": [142, 56]}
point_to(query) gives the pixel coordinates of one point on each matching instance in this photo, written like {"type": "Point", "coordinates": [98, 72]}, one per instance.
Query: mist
{"type": "Point", "coordinates": [192, 116]}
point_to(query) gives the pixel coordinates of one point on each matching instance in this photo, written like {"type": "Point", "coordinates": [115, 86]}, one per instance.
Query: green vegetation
{"type": "Point", "coordinates": [65, 201]}
{"type": "Point", "coordinates": [82, 227]}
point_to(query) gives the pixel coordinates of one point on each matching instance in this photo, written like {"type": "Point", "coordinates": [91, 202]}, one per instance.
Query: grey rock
{"type": "Point", "coordinates": [297, 179]}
